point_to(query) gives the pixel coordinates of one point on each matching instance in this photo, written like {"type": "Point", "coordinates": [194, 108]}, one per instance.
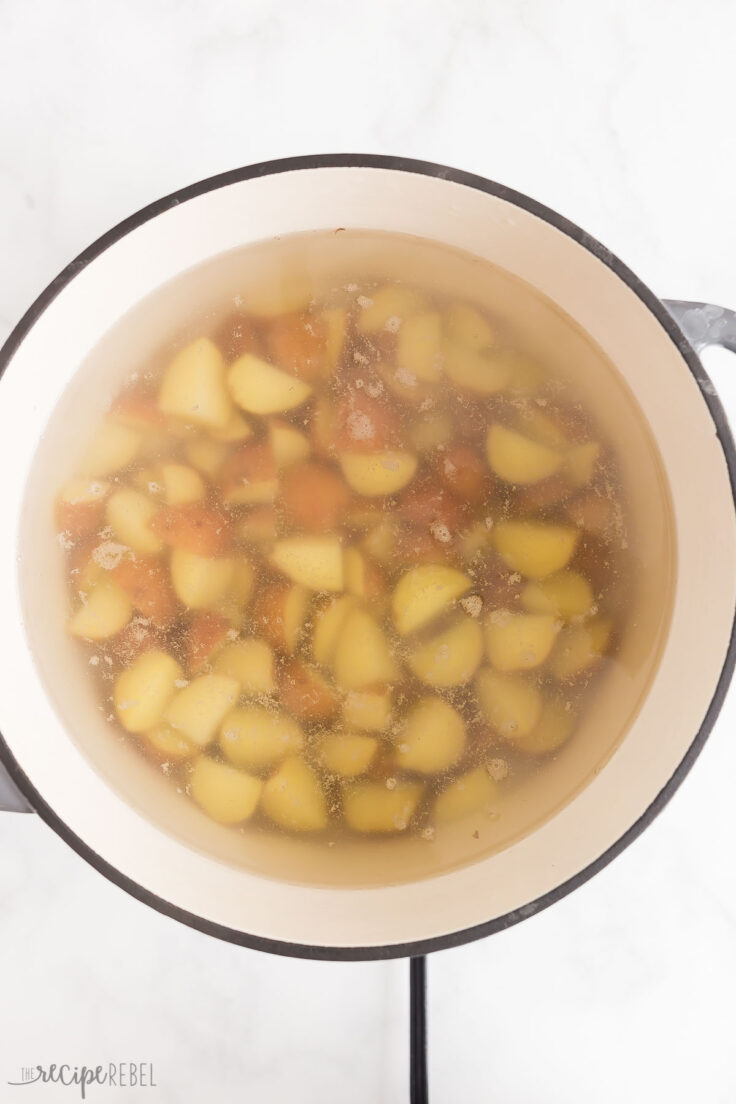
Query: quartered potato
{"type": "Point", "coordinates": [181, 484]}
{"type": "Point", "coordinates": [580, 647]}
{"type": "Point", "coordinates": [450, 658]}
{"type": "Point", "coordinates": [581, 461]}
{"type": "Point", "coordinates": [250, 662]}
{"type": "Point", "coordinates": [432, 737]}
{"type": "Point", "coordinates": [328, 623]}
{"type": "Point", "coordinates": [363, 654]}
{"type": "Point", "coordinates": [348, 754]}
{"type": "Point", "coordinates": [475, 370]}
{"type": "Point", "coordinates": [288, 444]}
{"type": "Point", "coordinates": [519, 641]}
{"type": "Point", "coordinates": [106, 611]}
{"type": "Point", "coordinates": [552, 730]}
{"type": "Point", "coordinates": [227, 795]}
{"type": "Point", "coordinates": [466, 326]}
{"type": "Point", "coordinates": [130, 513]}
{"type": "Point", "coordinates": [113, 447]}
{"type": "Point", "coordinates": [535, 548]}
{"type": "Point", "coordinates": [315, 562]}
{"type": "Point", "coordinates": [193, 386]}
{"type": "Point", "coordinates": [568, 594]}
{"type": "Point", "coordinates": [470, 793]}
{"type": "Point", "coordinates": [200, 581]}
{"type": "Point", "coordinates": [518, 459]}
{"type": "Point", "coordinates": [293, 798]}
{"type": "Point", "coordinates": [378, 473]}
{"type": "Point", "coordinates": [373, 807]}
{"type": "Point", "coordinates": [336, 321]}
{"type": "Point", "coordinates": [206, 455]}
{"type": "Point", "coordinates": [235, 429]}
{"type": "Point", "coordinates": [424, 593]}
{"type": "Point", "coordinates": [280, 613]}
{"type": "Point", "coordinates": [512, 705]}
{"type": "Point", "coordinates": [143, 691]}
{"type": "Point", "coordinates": [260, 388]}
{"type": "Point", "coordinates": [419, 346]}
{"type": "Point", "coordinates": [196, 711]}
{"type": "Point", "coordinates": [367, 709]}
{"type": "Point", "coordinates": [387, 308]}
{"type": "Point", "coordinates": [255, 737]}
{"type": "Point", "coordinates": [168, 744]}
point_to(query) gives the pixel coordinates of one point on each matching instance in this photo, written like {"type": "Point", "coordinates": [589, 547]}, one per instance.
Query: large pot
{"type": "Point", "coordinates": [51, 726]}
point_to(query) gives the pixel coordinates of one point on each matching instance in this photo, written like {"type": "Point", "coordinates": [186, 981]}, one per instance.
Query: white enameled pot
{"type": "Point", "coordinates": [44, 720]}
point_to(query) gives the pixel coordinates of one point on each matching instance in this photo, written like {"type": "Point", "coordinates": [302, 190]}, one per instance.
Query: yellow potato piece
{"type": "Point", "coordinates": [347, 754]}
{"type": "Point", "coordinates": [113, 447]}
{"type": "Point", "coordinates": [553, 729]}
{"type": "Point", "coordinates": [251, 493]}
{"type": "Point", "coordinates": [535, 423]}
{"type": "Point", "coordinates": [425, 592]}
{"type": "Point", "coordinates": [107, 610]}
{"type": "Point", "coordinates": [518, 459]}
{"type": "Point", "coordinates": [227, 795]}
{"type": "Point", "coordinates": [83, 491]}
{"type": "Point", "coordinates": [419, 346]}
{"type": "Point", "coordinates": [235, 429]}
{"type": "Point", "coordinates": [336, 321]}
{"type": "Point", "coordinates": [378, 473]}
{"type": "Point", "coordinates": [355, 572]}
{"type": "Point", "coordinates": [170, 744]}
{"type": "Point", "coordinates": [579, 647]}
{"type": "Point", "coordinates": [250, 663]}
{"type": "Point", "coordinates": [380, 541]}
{"type": "Point", "coordinates": [367, 709]}
{"type": "Point", "coordinates": [198, 709]}
{"type": "Point", "coordinates": [206, 455]}
{"type": "Point", "coordinates": [535, 548]}
{"type": "Point", "coordinates": [373, 807]}
{"type": "Point", "coordinates": [235, 599]}
{"type": "Point", "coordinates": [387, 308]}
{"type": "Point", "coordinates": [581, 462]}
{"type": "Point", "coordinates": [130, 513]}
{"type": "Point", "coordinates": [465, 325]}
{"type": "Point", "coordinates": [363, 655]}
{"type": "Point", "coordinates": [566, 594]}
{"type": "Point", "coordinates": [278, 293]}
{"type": "Point", "coordinates": [474, 370]}
{"type": "Point", "coordinates": [432, 737]}
{"type": "Point", "coordinates": [451, 658]}
{"type": "Point", "coordinates": [511, 704]}
{"type": "Point", "coordinates": [524, 375]}
{"type": "Point", "coordinates": [181, 484]}
{"type": "Point", "coordinates": [260, 388]}
{"type": "Point", "coordinates": [143, 691]}
{"type": "Point", "coordinates": [256, 737]}
{"type": "Point", "coordinates": [193, 386]}
{"type": "Point", "coordinates": [431, 430]}
{"type": "Point", "coordinates": [328, 624]}
{"type": "Point", "coordinates": [200, 581]}
{"type": "Point", "coordinates": [315, 562]}
{"type": "Point", "coordinates": [519, 641]}
{"type": "Point", "coordinates": [470, 793]}
{"type": "Point", "coordinates": [288, 444]}
{"type": "Point", "coordinates": [293, 798]}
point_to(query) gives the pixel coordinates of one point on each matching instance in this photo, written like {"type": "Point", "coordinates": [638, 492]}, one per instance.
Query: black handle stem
{"type": "Point", "coordinates": [418, 1080]}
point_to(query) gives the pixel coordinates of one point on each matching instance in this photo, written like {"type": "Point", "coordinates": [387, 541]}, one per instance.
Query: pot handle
{"type": "Point", "coordinates": [11, 799]}
{"type": "Point", "coordinates": [704, 324]}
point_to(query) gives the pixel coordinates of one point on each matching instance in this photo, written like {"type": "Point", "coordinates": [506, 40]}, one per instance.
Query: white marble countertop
{"type": "Point", "coordinates": [618, 115]}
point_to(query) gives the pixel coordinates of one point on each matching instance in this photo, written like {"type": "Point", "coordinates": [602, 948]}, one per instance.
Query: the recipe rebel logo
{"type": "Point", "coordinates": [113, 1075]}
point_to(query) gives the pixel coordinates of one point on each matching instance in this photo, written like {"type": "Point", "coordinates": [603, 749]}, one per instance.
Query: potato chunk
{"type": "Point", "coordinates": [432, 737]}
{"type": "Point", "coordinates": [372, 807]}
{"type": "Point", "coordinates": [315, 562]}
{"type": "Point", "coordinates": [451, 658]}
{"type": "Point", "coordinates": [378, 473]}
{"type": "Point", "coordinates": [206, 455]}
{"type": "Point", "coordinates": [250, 663]}
{"type": "Point", "coordinates": [363, 655]}
{"type": "Point", "coordinates": [387, 308]}
{"type": "Point", "coordinates": [518, 459]}
{"type": "Point", "coordinates": [581, 462]}
{"type": "Point", "coordinates": [328, 623]}
{"type": "Point", "coordinates": [566, 594]}
{"type": "Point", "coordinates": [200, 581]}
{"type": "Point", "coordinates": [519, 641]}
{"type": "Point", "coordinates": [193, 386]}
{"type": "Point", "coordinates": [227, 795]}
{"type": "Point", "coordinates": [107, 610]}
{"type": "Point", "coordinates": [347, 754]}
{"type": "Point", "coordinates": [198, 709]}
{"type": "Point", "coordinates": [288, 444]}
{"type": "Point", "coordinates": [256, 737]}
{"type": "Point", "coordinates": [112, 448]}
{"type": "Point", "coordinates": [143, 691]}
{"type": "Point", "coordinates": [511, 704]}
{"type": "Point", "coordinates": [181, 484]}
{"type": "Point", "coordinates": [535, 548]}
{"type": "Point", "coordinates": [419, 346]}
{"type": "Point", "coordinates": [367, 709]}
{"type": "Point", "coordinates": [280, 613]}
{"type": "Point", "coordinates": [260, 388]}
{"type": "Point", "coordinates": [168, 745]}
{"type": "Point", "coordinates": [475, 370]}
{"type": "Point", "coordinates": [130, 514]}
{"type": "Point", "coordinates": [293, 798]}
{"type": "Point", "coordinates": [424, 593]}
{"type": "Point", "coordinates": [580, 647]}
{"type": "Point", "coordinates": [467, 326]}
{"type": "Point", "coordinates": [470, 793]}
{"type": "Point", "coordinates": [553, 729]}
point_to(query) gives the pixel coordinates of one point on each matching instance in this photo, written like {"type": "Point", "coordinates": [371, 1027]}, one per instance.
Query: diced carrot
{"type": "Point", "coordinates": [463, 471]}
{"type": "Point", "coordinates": [77, 520]}
{"type": "Point", "coordinates": [314, 496]}
{"type": "Point", "coordinates": [298, 342]}
{"type": "Point", "coordinates": [146, 582]}
{"type": "Point", "coordinates": [251, 462]}
{"type": "Point", "coordinates": [195, 527]}
{"type": "Point", "coordinates": [205, 633]}
{"type": "Point", "coordinates": [138, 408]}
{"type": "Point", "coordinates": [306, 694]}
{"type": "Point", "coordinates": [365, 424]}
{"type": "Point", "coordinates": [238, 334]}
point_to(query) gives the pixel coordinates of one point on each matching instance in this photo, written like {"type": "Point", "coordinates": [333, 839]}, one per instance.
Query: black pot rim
{"type": "Point", "coordinates": [654, 305]}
